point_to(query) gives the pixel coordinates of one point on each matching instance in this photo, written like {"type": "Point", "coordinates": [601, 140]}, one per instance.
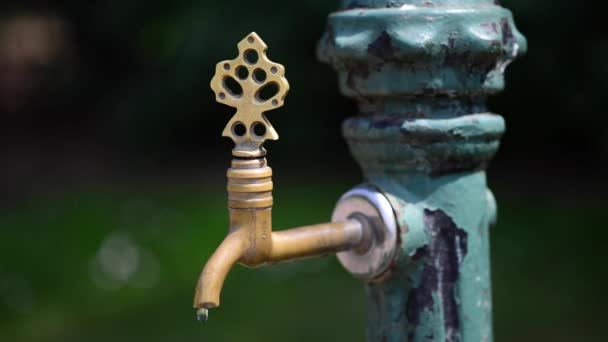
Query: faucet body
{"type": "Point", "coordinates": [357, 230]}
{"type": "Point", "coordinates": [251, 241]}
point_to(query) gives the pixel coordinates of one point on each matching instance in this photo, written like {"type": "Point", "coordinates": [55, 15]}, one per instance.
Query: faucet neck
{"type": "Point", "coordinates": [249, 184]}
{"type": "Point", "coordinates": [250, 205]}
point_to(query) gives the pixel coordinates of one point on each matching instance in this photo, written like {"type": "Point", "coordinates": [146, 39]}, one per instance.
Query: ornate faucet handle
{"type": "Point", "coordinates": [253, 85]}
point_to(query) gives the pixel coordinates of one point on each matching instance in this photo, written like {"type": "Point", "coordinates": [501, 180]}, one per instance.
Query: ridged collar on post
{"type": "Point", "coordinates": [421, 71]}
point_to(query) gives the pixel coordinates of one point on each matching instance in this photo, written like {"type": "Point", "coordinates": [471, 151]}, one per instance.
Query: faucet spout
{"type": "Point", "coordinates": [317, 240]}
{"type": "Point", "coordinates": [212, 278]}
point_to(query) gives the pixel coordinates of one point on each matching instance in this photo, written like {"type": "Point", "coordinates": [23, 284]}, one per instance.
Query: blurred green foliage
{"type": "Point", "coordinates": [545, 286]}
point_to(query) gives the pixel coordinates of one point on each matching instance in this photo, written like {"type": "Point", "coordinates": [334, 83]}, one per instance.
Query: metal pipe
{"type": "Point", "coordinates": [251, 241]}
{"type": "Point", "coordinates": [420, 72]}
{"type": "Point", "coordinates": [317, 240]}
{"type": "Point", "coordinates": [287, 245]}
{"type": "Point", "coordinates": [214, 274]}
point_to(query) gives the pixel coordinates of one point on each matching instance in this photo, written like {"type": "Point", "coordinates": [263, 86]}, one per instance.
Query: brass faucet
{"type": "Point", "coordinates": [242, 83]}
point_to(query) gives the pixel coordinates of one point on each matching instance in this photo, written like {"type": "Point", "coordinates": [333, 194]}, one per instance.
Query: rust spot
{"type": "Point", "coordinates": [421, 298]}
{"type": "Point", "coordinates": [441, 261]}
{"type": "Point", "coordinates": [356, 4]}
{"type": "Point", "coordinates": [458, 164]}
{"type": "Point", "coordinates": [481, 65]}
{"type": "Point", "coordinates": [507, 34]}
{"type": "Point", "coordinates": [415, 115]}
{"type": "Point", "coordinates": [420, 253]}
{"type": "Point", "coordinates": [456, 59]}
{"type": "Point", "coordinates": [386, 122]}
{"type": "Point", "coordinates": [355, 70]}
{"type": "Point", "coordinates": [490, 27]}
{"type": "Point", "coordinates": [382, 47]}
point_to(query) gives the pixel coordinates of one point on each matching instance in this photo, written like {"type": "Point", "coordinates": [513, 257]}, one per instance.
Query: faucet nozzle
{"type": "Point", "coordinates": [202, 315]}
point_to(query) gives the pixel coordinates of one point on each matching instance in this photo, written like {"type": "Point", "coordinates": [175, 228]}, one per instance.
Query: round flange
{"type": "Point", "coordinates": [375, 209]}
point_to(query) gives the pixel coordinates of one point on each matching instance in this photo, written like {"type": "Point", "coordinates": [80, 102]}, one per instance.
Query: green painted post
{"type": "Point", "coordinates": [420, 71]}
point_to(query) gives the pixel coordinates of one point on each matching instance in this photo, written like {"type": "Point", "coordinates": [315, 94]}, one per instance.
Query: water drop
{"type": "Point", "coordinates": [202, 315]}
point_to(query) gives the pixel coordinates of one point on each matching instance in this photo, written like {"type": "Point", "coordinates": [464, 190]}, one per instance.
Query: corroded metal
{"type": "Point", "coordinates": [420, 72]}
{"type": "Point", "coordinates": [251, 241]}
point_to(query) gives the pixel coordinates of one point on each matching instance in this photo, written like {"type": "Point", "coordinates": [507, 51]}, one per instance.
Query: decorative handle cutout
{"type": "Point", "coordinates": [252, 84]}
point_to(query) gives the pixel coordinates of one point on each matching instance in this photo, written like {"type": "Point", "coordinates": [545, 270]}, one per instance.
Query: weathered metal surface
{"type": "Point", "coordinates": [420, 71]}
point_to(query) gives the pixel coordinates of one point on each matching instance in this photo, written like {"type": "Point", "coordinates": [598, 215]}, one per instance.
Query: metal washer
{"type": "Point", "coordinates": [376, 208]}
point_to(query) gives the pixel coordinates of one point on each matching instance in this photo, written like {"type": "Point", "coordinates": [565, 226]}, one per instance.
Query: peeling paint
{"type": "Point", "coordinates": [421, 50]}
{"type": "Point", "coordinates": [508, 38]}
{"type": "Point", "coordinates": [441, 269]}
{"type": "Point", "coordinates": [382, 47]}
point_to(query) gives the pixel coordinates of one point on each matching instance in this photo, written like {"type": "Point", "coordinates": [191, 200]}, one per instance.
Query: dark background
{"type": "Point", "coordinates": [112, 176]}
